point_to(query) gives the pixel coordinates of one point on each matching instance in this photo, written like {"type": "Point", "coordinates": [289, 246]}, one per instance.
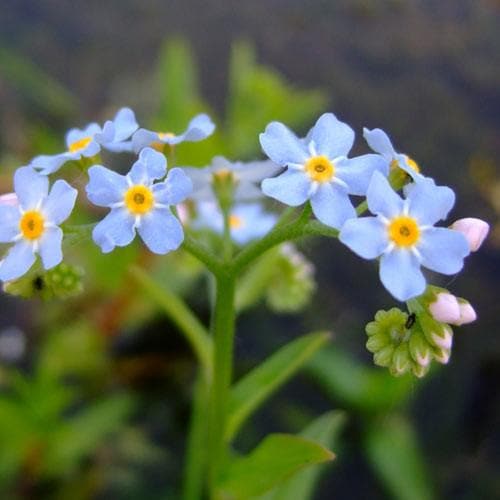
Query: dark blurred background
{"type": "Point", "coordinates": [427, 72]}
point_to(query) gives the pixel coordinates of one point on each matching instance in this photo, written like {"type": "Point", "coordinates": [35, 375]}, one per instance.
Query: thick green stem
{"type": "Point", "coordinates": [223, 335]}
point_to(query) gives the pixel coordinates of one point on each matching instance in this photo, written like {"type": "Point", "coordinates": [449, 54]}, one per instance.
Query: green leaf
{"type": "Point", "coordinates": [277, 457]}
{"type": "Point", "coordinates": [366, 389]}
{"type": "Point", "coordinates": [393, 450]}
{"type": "Point", "coordinates": [258, 95]}
{"type": "Point", "coordinates": [82, 434]}
{"type": "Point", "coordinates": [36, 85]}
{"type": "Point", "coordinates": [324, 430]}
{"type": "Point", "coordinates": [258, 385]}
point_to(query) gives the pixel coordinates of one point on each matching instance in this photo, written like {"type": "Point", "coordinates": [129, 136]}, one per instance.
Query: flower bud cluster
{"type": "Point", "coordinates": [405, 342]}
{"type": "Point", "coordinates": [60, 282]}
{"type": "Point", "coordinates": [293, 283]}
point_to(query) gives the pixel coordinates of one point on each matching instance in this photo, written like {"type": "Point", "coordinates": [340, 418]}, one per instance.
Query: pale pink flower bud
{"type": "Point", "coordinates": [9, 199]}
{"type": "Point", "coordinates": [474, 230]}
{"type": "Point", "coordinates": [445, 308]}
{"type": "Point", "coordinates": [467, 313]}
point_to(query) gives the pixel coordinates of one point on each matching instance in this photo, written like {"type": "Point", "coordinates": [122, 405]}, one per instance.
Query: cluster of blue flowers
{"type": "Point", "coordinates": [315, 169]}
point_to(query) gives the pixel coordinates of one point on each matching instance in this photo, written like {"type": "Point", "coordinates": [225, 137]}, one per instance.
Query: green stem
{"type": "Point", "coordinates": [204, 255]}
{"type": "Point", "coordinates": [176, 309]}
{"type": "Point", "coordinates": [223, 335]}
{"type": "Point", "coordinates": [196, 453]}
{"type": "Point", "coordinates": [227, 242]}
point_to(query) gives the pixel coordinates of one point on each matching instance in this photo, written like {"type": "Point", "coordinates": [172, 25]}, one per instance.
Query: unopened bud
{"type": "Point", "coordinates": [474, 230]}
{"type": "Point", "coordinates": [467, 313]}
{"type": "Point", "coordinates": [445, 308]}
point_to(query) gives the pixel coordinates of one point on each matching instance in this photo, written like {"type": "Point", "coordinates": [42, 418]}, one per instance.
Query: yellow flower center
{"type": "Point", "coordinates": [320, 168]}
{"type": "Point", "coordinates": [403, 231]}
{"type": "Point", "coordinates": [76, 146]}
{"type": "Point", "coordinates": [160, 146]}
{"type": "Point", "coordinates": [411, 163]}
{"type": "Point", "coordinates": [139, 200]}
{"type": "Point", "coordinates": [235, 222]}
{"type": "Point", "coordinates": [32, 225]}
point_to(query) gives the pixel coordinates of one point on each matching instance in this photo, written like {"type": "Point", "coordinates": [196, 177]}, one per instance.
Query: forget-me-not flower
{"type": "Point", "coordinates": [139, 204]}
{"type": "Point", "coordinates": [245, 177]}
{"type": "Point", "coordinates": [87, 142]}
{"type": "Point", "coordinates": [247, 221]}
{"type": "Point", "coordinates": [404, 237]}
{"type": "Point", "coordinates": [32, 224]}
{"type": "Point", "coordinates": [379, 142]}
{"type": "Point", "coordinates": [199, 128]}
{"type": "Point", "coordinates": [318, 168]}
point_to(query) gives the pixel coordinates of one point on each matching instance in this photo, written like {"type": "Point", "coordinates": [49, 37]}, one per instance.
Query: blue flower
{"type": "Point", "coordinates": [318, 168]}
{"type": "Point", "coordinates": [247, 221]}
{"type": "Point", "coordinates": [199, 128]}
{"type": "Point", "coordinates": [33, 223]}
{"type": "Point", "coordinates": [138, 203]}
{"type": "Point", "coordinates": [87, 142]}
{"type": "Point", "coordinates": [404, 236]}
{"type": "Point", "coordinates": [245, 176]}
{"type": "Point", "coordinates": [379, 142]}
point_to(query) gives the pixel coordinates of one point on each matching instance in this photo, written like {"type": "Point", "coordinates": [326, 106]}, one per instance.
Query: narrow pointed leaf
{"type": "Point", "coordinates": [393, 450]}
{"type": "Point", "coordinates": [257, 386]}
{"type": "Point", "coordinates": [278, 457]}
{"type": "Point", "coordinates": [323, 430]}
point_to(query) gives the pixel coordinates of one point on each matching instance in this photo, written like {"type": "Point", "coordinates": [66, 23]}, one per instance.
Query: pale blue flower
{"type": "Point", "coordinates": [246, 176]}
{"type": "Point", "coordinates": [379, 142]}
{"type": "Point", "coordinates": [32, 224]}
{"type": "Point", "coordinates": [318, 168]}
{"type": "Point", "coordinates": [199, 128]}
{"type": "Point", "coordinates": [139, 204]}
{"type": "Point", "coordinates": [247, 221]}
{"type": "Point", "coordinates": [404, 237]}
{"type": "Point", "coordinates": [87, 142]}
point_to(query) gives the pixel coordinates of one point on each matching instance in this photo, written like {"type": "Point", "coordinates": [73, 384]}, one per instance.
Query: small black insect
{"type": "Point", "coordinates": [38, 284]}
{"type": "Point", "coordinates": [410, 321]}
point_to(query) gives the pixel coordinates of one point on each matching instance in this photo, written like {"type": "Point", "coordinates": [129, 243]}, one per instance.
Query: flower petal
{"type": "Point", "coordinates": [105, 187]}
{"type": "Point", "coordinates": [443, 250]}
{"type": "Point", "coordinates": [76, 134]}
{"type": "Point", "coordinates": [379, 141]}
{"type": "Point", "coordinates": [48, 164]}
{"type": "Point", "coordinates": [357, 172]}
{"type": "Point", "coordinates": [51, 247]}
{"type": "Point", "coordinates": [143, 138]}
{"type": "Point", "coordinates": [30, 187]}
{"type": "Point", "coordinates": [9, 227]}
{"type": "Point", "coordinates": [253, 222]}
{"type": "Point", "coordinates": [366, 237]}
{"type": "Point", "coordinates": [429, 203]}
{"type": "Point", "coordinates": [60, 202]}
{"type": "Point", "coordinates": [199, 128]}
{"type": "Point", "coordinates": [332, 206]}
{"type": "Point", "coordinates": [116, 229]}
{"type": "Point", "coordinates": [17, 262]}
{"type": "Point", "coordinates": [400, 273]}
{"type": "Point", "coordinates": [156, 163]}
{"type": "Point", "coordinates": [282, 145]}
{"type": "Point", "coordinates": [291, 187]}
{"type": "Point", "coordinates": [161, 231]}
{"type": "Point", "coordinates": [176, 188]}
{"type": "Point", "coordinates": [125, 124]}
{"type": "Point", "coordinates": [331, 137]}
{"type": "Point", "coordinates": [381, 198]}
